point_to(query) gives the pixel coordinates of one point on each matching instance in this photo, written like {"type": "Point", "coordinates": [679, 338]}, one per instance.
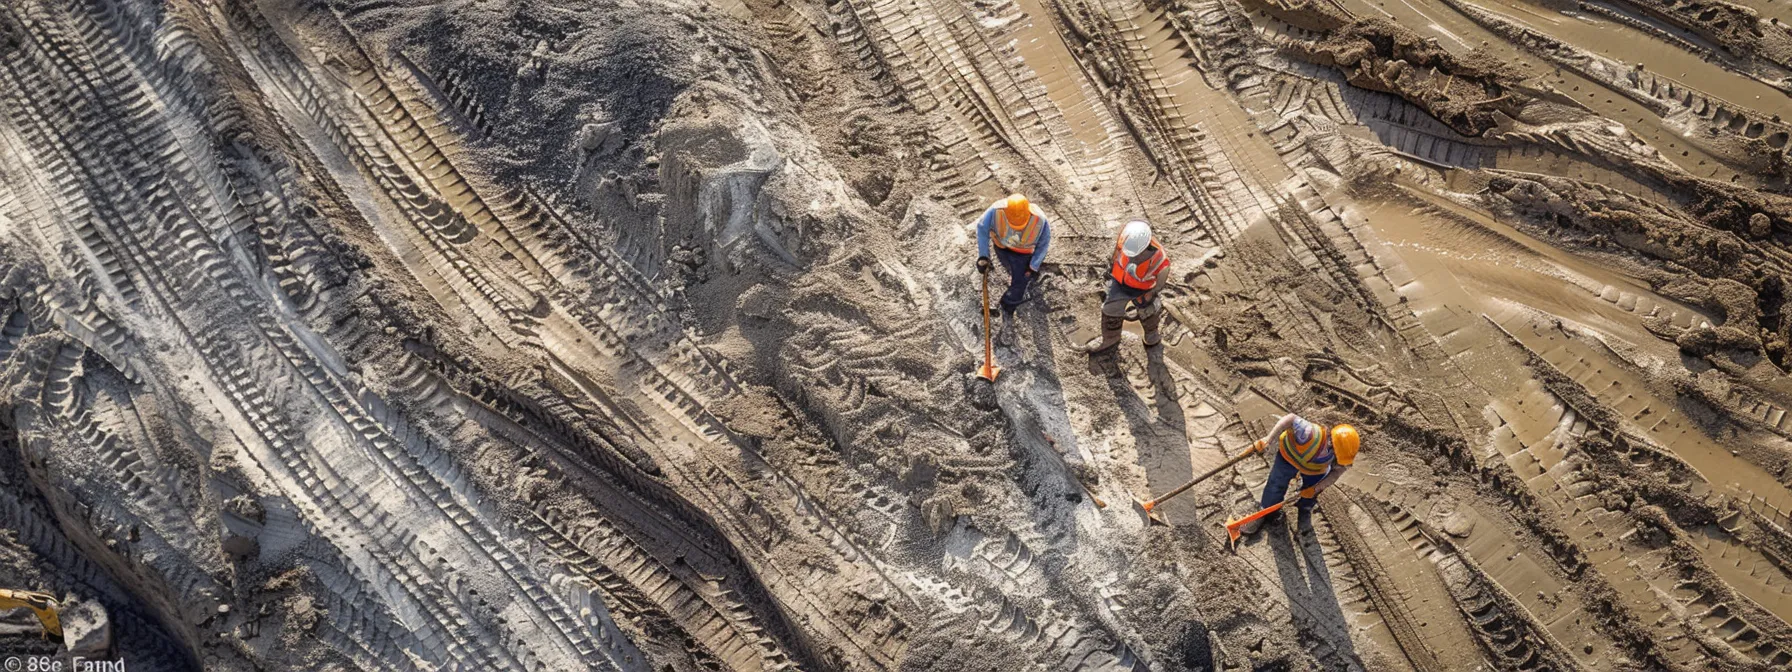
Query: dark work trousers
{"type": "Point", "coordinates": [1017, 265]}
{"type": "Point", "coordinates": [1118, 296]}
{"type": "Point", "coordinates": [1277, 487]}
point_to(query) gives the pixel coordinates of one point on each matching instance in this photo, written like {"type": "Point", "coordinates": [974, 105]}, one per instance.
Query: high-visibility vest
{"type": "Point", "coordinates": [1013, 238]}
{"type": "Point", "coordinates": [1141, 272]}
{"type": "Point", "coordinates": [1305, 447]}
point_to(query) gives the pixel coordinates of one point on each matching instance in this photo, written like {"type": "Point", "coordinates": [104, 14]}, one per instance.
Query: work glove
{"type": "Point", "coordinates": [982, 264]}
{"type": "Point", "coordinates": [1258, 446]}
{"type": "Point", "coordinates": [1032, 272]}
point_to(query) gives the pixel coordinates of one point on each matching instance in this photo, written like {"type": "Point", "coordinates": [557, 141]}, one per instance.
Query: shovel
{"type": "Point", "coordinates": [989, 370]}
{"type": "Point", "coordinates": [1232, 532]}
{"type": "Point", "coordinates": [1149, 508]}
{"type": "Point", "coordinates": [1072, 475]}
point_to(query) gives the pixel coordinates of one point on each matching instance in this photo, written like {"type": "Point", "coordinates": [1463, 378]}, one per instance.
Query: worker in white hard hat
{"type": "Point", "coordinates": [1020, 234]}
{"type": "Point", "coordinates": [1139, 263]}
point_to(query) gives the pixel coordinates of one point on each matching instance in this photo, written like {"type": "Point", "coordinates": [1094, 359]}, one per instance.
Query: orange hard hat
{"type": "Point", "coordinates": [1345, 442]}
{"type": "Point", "coordinates": [1018, 210]}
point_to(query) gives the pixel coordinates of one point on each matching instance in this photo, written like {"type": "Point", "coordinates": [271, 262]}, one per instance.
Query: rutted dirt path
{"type": "Point", "coordinates": [637, 335]}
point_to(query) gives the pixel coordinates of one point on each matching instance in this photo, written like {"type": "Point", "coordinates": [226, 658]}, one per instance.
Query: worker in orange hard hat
{"type": "Point", "coordinates": [1138, 264]}
{"type": "Point", "coordinates": [1020, 234]}
{"type": "Point", "coordinates": [1312, 451]}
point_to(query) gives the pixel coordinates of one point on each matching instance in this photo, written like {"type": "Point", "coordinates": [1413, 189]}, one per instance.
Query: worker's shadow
{"type": "Point", "coordinates": [1300, 564]}
{"type": "Point", "coordinates": [1167, 398]}
{"type": "Point", "coordinates": [1036, 314]}
{"type": "Point", "coordinates": [1159, 426]}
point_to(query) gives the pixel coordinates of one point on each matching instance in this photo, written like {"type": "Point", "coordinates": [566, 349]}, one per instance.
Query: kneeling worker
{"type": "Point", "coordinates": [1021, 235]}
{"type": "Point", "coordinates": [1310, 450]}
{"type": "Point", "coordinates": [1138, 262]}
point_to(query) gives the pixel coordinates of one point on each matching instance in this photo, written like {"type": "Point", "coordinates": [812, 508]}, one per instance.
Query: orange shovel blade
{"type": "Point", "coordinates": [988, 372]}
{"type": "Point", "coordinates": [1232, 525]}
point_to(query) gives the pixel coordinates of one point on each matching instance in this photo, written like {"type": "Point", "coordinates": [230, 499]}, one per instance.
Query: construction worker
{"type": "Point", "coordinates": [1021, 235]}
{"type": "Point", "coordinates": [1319, 455]}
{"type": "Point", "coordinates": [1139, 262]}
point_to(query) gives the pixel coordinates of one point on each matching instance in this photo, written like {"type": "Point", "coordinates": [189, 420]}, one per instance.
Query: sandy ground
{"type": "Point", "coordinates": [640, 334]}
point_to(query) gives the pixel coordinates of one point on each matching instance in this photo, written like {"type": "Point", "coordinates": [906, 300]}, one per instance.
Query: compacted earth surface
{"type": "Point", "coordinates": [642, 334]}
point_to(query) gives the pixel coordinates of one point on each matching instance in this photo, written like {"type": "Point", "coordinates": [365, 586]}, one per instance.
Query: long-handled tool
{"type": "Point", "coordinates": [989, 370]}
{"type": "Point", "coordinates": [1149, 508]}
{"type": "Point", "coordinates": [1232, 526]}
{"type": "Point", "coordinates": [1071, 473]}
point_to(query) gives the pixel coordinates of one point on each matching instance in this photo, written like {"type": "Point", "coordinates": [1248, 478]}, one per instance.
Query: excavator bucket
{"type": "Point", "coordinates": [44, 605]}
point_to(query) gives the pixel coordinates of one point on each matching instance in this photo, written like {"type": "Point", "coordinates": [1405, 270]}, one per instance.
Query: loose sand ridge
{"type": "Point", "coordinates": [639, 335]}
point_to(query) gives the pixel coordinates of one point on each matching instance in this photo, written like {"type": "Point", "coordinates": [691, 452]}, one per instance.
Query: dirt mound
{"type": "Point", "coordinates": [640, 335]}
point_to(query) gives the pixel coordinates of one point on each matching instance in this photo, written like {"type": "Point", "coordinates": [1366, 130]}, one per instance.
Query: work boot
{"type": "Point", "coordinates": [1149, 319]}
{"type": "Point", "coordinates": [1110, 333]}
{"type": "Point", "coordinates": [1250, 527]}
{"type": "Point", "coordinates": [1005, 337]}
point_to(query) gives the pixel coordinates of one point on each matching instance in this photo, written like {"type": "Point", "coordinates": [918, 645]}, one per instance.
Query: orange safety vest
{"type": "Point", "coordinates": [1136, 273]}
{"type": "Point", "coordinates": [1020, 239]}
{"type": "Point", "coordinates": [1305, 446]}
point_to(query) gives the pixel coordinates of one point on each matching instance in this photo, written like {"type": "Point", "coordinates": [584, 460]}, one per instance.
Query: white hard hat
{"type": "Point", "coordinates": [1135, 237]}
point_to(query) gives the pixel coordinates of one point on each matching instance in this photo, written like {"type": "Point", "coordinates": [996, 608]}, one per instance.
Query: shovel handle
{"type": "Point", "coordinates": [1272, 509]}
{"type": "Point", "coordinates": [1232, 532]}
{"type": "Point", "coordinates": [1148, 506]}
{"type": "Point", "coordinates": [1264, 512]}
{"type": "Point", "coordinates": [989, 370]}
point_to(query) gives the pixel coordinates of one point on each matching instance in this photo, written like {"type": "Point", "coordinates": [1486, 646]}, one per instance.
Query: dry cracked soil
{"type": "Point", "coordinates": [641, 334]}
